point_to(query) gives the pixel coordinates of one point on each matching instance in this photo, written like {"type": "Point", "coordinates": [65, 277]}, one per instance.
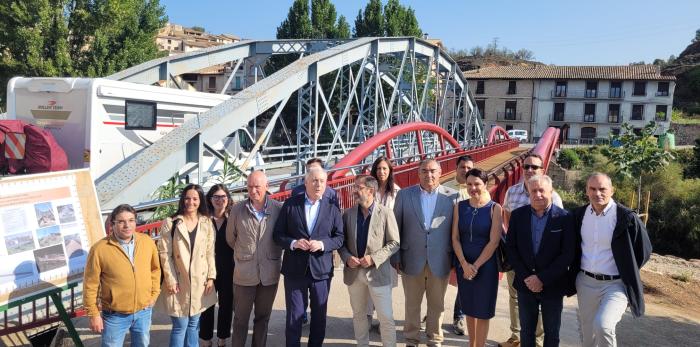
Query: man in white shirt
{"type": "Point", "coordinates": [614, 245]}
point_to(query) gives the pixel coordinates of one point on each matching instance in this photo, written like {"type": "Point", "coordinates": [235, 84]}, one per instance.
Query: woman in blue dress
{"type": "Point", "coordinates": [476, 232]}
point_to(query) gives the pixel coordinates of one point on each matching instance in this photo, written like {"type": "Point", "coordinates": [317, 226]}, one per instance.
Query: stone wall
{"type": "Point", "coordinates": [561, 178]}
{"type": "Point", "coordinates": [686, 133]}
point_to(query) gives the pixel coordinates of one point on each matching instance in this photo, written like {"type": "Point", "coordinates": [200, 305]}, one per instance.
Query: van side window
{"type": "Point", "coordinates": [140, 115]}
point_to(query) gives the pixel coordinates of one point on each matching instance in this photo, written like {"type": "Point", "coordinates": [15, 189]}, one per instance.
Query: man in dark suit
{"type": "Point", "coordinates": [540, 246]}
{"type": "Point", "coordinates": [309, 228]}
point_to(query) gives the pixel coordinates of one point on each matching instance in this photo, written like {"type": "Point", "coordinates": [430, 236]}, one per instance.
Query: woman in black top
{"type": "Point", "coordinates": [219, 201]}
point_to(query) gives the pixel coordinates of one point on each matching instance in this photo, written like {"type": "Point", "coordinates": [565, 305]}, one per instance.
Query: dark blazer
{"type": "Point", "coordinates": [291, 225]}
{"type": "Point", "coordinates": [631, 249]}
{"type": "Point", "coordinates": [554, 257]}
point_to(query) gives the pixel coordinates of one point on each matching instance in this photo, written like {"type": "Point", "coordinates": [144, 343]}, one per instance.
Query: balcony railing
{"type": "Point", "coordinates": [509, 115]}
{"type": "Point", "coordinates": [662, 93]}
{"type": "Point", "coordinates": [587, 94]}
{"type": "Point", "coordinates": [584, 118]}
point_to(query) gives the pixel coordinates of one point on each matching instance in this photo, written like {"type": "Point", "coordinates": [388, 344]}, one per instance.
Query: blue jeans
{"type": "Point", "coordinates": [117, 324]}
{"type": "Point", "coordinates": [185, 331]}
{"type": "Point", "coordinates": [529, 305]}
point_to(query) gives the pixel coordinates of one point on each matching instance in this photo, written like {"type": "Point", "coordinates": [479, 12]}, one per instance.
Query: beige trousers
{"type": "Point", "coordinates": [434, 289]}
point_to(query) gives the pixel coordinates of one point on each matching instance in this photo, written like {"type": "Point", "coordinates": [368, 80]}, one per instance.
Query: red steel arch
{"type": "Point", "coordinates": [497, 134]}
{"type": "Point", "coordinates": [384, 139]}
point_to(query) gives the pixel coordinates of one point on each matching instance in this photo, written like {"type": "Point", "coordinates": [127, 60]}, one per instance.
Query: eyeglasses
{"type": "Point", "coordinates": [531, 167]}
{"type": "Point", "coordinates": [356, 187]}
{"type": "Point", "coordinates": [219, 197]}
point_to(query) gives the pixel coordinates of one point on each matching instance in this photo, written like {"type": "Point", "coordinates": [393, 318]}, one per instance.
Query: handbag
{"type": "Point", "coordinates": [500, 253]}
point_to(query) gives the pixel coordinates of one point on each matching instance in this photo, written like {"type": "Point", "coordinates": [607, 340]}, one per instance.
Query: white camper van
{"type": "Point", "coordinates": [100, 122]}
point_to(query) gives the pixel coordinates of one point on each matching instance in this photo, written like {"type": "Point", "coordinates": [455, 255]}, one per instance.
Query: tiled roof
{"type": "Point", "coordinates": [622, 72]}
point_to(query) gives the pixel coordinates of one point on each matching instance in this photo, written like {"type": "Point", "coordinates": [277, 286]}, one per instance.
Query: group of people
{"type": "Point", "coordinates": [212, 247]}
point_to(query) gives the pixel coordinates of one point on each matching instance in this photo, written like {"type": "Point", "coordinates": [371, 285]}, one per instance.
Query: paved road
{"type": "Point", "coordinates": [659, 328]}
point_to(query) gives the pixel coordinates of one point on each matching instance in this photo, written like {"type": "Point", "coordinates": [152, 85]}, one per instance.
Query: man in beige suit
{"type": "Point", "coordinates": [258, 260]}
{"type": "Point", "coordinates": [371, 237]}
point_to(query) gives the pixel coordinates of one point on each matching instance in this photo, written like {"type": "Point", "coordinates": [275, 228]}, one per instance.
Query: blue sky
{"type": "Point", "coordinates": [591, 32]}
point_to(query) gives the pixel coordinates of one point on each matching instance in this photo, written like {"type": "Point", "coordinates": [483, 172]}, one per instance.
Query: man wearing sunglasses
{"type": "Point", "coordinates": [518, 196]}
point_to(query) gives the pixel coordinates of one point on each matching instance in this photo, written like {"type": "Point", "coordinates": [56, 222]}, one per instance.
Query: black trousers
{"type": "Point", "coordinates": [224, 288]}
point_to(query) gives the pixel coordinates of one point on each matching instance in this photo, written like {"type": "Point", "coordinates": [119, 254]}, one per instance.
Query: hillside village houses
{"type": "Point", "coordinates": [176, 39]}
{"type": "Point", "coordinates": [587, 102]}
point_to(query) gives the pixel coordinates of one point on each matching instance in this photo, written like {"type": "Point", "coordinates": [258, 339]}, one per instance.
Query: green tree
{"type": "Point", "coordinates": [198, 28]}
{"type": "Point", "coordinates": [118, 33]}
{"type": "Point", "coordinates": [370, 22]}
{"type": "Point", "coordinates": [33, 39]}
{"type": "Point", "coordinates": [319, 21]}
{"type": "Point", "coordinates": [637, 154]}
{"type": "Point", "coordinates": [693, 170]}
{"type": "Point", "coordinates": [394, 20]}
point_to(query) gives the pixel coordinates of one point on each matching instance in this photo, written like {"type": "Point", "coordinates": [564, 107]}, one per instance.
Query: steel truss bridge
{"type": "Point", "coordinates": [398, 97]}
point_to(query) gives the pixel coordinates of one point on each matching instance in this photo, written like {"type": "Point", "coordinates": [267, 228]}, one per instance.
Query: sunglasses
{"type": "Point", "coordinates": [531, 167]}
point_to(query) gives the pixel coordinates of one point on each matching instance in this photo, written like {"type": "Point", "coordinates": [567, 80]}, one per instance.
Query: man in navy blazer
{"type": "Point", "coordinates": [309, 228]}
{"type": "Point", "coordinates": [540, 247]}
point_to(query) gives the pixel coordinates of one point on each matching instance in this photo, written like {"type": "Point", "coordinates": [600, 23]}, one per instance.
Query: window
{"type": "Point", "coordinates": [212, 82]}
{"type": "Point", "coordinates": [510, 110]}
{"type": "Point", "coordinates": [615, 90]}
{"type": "Point", "coordinates": [587, 133]}
{"type": "Point", "coordinates": [661, 112]}
{"type": "Point", "coordinates": [589, 113]}
{"type": "Point", "coordinates": [615, 131]}
{"type": "Point", "coordinates": [614, 113]}
{"type": "Point", "coordinates": [238, 82]}
{"type": "Point", "coordinates": [511, 87]}
{"type": "Point", "coordinates": [481, 106]}
{"type": "Point", "coordinates": [640, 89]}
{"type": "Point", "coordinates": [560, 89]}
{"type": "Point", "coordinates": [140, 115]}
{"type": "Point", "coordinates": [662, 89]}
{"type": "Point", "coordinates": [558, 112]}
{"type": "Point", "coordinates": [591, 89]}
{"type": "Point", "coordinates": [509, 127]}
{"type": "Point", "coordinates": [637, 112]}
{"type": "Point", "coordinates": [480, 87]}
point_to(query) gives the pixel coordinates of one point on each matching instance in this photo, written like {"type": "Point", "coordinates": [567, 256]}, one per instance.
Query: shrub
{"type": "Point", "coordinates": [568, 159]}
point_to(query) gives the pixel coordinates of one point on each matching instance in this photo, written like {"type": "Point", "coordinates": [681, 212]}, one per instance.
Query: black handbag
{"type": "Point", "coordinates": [501, 257]}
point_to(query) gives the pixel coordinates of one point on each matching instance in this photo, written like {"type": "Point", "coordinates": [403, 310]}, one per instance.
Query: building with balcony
{"type": "Point", "coordinates": [587, 102]}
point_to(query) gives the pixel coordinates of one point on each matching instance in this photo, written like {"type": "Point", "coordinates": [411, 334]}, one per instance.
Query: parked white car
{"type": "Point", "coordinates": [520, 135]}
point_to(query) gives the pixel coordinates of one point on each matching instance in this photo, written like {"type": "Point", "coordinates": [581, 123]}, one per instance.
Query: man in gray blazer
{"type": "Point", "coordinates": [371, 237]}
{"type": "Point", "coordinates": [424, 216]}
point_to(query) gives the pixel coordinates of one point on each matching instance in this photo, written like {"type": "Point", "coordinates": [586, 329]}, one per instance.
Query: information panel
{"type": "Point", "coordinates": [47, 224]}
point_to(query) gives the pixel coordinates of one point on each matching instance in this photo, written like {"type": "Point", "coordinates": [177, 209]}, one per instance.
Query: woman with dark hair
{"type": "Point", "coordinates": [219, 203]}
{"type": "Point", "coordinates": [186, 250]}
{"type": "Point", "coordinates": [476, 233]}
{"type": "Point", "coordinates": [384, 173]}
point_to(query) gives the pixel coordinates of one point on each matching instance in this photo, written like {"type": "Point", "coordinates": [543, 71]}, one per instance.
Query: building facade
{"type": "Point", "coordinates": [587, 102]}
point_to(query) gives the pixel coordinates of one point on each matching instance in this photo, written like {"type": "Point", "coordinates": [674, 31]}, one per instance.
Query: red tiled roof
{"type": "Point", "coordinates": [621, 72]}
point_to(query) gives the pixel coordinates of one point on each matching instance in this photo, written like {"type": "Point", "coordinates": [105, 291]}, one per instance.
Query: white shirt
{"type": "Point", "coordinates": [596, 239]}
{"type": "Point", "coordinates": [311, 213]}
{"type": "Point", "coordinates": [427, 204]}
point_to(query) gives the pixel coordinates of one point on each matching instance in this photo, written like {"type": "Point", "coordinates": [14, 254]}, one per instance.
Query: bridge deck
{"type": "Point", "coordinates": [488, 164]}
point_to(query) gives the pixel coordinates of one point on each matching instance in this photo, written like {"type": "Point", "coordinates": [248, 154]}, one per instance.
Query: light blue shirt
{"type": "Point", "coordinates": [128, 248]}
{"type": "Point", "coordinates": [538, 224]}
{"type": "Point", "coordinates": [311, 212]}
{"type": "Point", "coordinates": [259, 215]}
{"type": "Point", "coordinates": [427, 205]}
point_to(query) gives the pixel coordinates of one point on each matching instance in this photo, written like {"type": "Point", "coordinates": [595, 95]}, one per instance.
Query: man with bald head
{"type": "Point", "coordinates": [258, 260]}
{"type": "Point", "coordinates": [540, 246]}
{"type": "Point", "coordinates": [309, 229]}
{"type": "Point", "coordinates": [612, 245]}
{"type": "Point", "coordinates": [424, 217]}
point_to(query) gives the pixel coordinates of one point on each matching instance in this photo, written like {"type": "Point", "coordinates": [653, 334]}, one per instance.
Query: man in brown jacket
{"type": "Point", "coordinates": [371, 237]}
{"type": "Point", "coordinates": [258, 260]}
{"type": "Point", "coordinates": [124, 268]}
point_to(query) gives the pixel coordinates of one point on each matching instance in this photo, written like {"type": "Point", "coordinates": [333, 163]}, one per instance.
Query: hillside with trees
{"type": "Point", "coordinates": [686, 68]}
